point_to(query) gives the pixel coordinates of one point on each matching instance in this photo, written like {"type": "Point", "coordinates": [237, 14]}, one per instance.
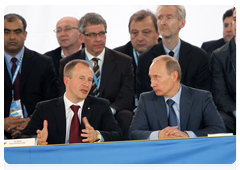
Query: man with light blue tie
{"type": "Point", "coordinates": [173, 110]}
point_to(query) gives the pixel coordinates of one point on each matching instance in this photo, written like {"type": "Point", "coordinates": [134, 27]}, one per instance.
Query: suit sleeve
{"type": "Point", "coordinates": [50, 81]}
{"type": "Point", "coordinates": [60, 83]}
{"type": "Point", "coordinates": [110, 130]}
{"type": "Point", "coordinates": [202, 77]}
{"type": "Point", "coordinates": [125, 96]}
{"type": "Point", "coordinates": [140, 128]}
{"type": "Point", "coordinates": [220, 91]}
{"type": "Point", "coordinates": [213, 122]}
{"type": "Point", "coordinates": [142, 79]}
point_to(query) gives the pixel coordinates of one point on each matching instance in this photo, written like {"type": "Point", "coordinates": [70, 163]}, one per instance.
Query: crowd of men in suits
{"type": "Point", "coordinates": [123, 93]}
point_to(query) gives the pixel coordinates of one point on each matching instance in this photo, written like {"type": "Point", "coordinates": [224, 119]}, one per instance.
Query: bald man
{"type": "Point", "coordinates": [68, 38]}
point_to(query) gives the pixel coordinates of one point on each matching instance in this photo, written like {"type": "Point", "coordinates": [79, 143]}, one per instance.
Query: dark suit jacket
{"type": "Point", "coordinates": [96, 110]}
{"type": "Point", "coordinates": [210, 46]}
{"type": "Point", "coordinates": [128, 50]}
{"type": "Point", "coordinates": [37, 82]}
{"type": "Point", "coordinates": [223, 72]}
{"type": "Point", "coordinates": [56, 57]}
{"type": "Point", "coordinates": [117, 84]}
{"type": "Point", "coordinates": [197, 113]}
{"type": "Point", "coordinates": [193, 62]}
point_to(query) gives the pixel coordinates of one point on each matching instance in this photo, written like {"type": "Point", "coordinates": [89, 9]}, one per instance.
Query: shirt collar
{"type": "Point", "coordinates": [18, 56]}
{"type": "Point", "coordinates": [100, 56]}
{"type": "Point", "coordinates": [177, 96]}
{"type": "Point", "coordinates": [175, 50]}
{"type": "Point", "coordinates": [68, 103]}
{"type": "Point", "coordinates": [63, 55]}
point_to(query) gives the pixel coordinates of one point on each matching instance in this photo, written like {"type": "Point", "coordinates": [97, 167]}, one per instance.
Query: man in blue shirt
{"type": "Point", "coordinates": [173, 110]}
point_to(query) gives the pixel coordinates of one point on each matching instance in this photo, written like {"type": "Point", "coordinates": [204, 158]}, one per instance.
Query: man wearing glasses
{"type": "Point", "coordinates": [113, 71]}
{"type": "Point", "coordinates": [68, 38]}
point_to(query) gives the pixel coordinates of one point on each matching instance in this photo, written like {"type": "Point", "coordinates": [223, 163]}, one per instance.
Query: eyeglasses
{"type": "Point", "coordinates": [94, 35]}
{"type": "Point", "coordinates": [66, 29]}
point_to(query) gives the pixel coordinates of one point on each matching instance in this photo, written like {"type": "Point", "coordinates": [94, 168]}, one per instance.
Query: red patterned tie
{"type": "Point", "coordinates": [16, 85]}
{"type": "Point", "coordinates": [75, 129]}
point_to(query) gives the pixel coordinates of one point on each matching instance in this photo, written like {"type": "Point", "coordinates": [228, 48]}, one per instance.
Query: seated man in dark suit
{"type": "Point", "coordinates": [68, 38]}
{"type": "Point", "coordinates": [173, 110]}
{"type": "Point", "coordinates": [143, 33]}
{"type": "Point", "coordinates": [193, 60]}
{"type": "Point", "coordinates": [29, 77]}
{"type": "Point", "coordinates": [56, 121]}
{"type": "Point", "coordinates": [113, 71]}
{"type": "Point", "coordinates": [223, 71]}
{"type": "Point", "coordinates": [210, 46]}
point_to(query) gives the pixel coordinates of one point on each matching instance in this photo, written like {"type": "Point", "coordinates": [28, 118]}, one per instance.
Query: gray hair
{"type": "Point", "coordinates": [92, 19]}
{"type": "Point", "coordinates": [180, 8]}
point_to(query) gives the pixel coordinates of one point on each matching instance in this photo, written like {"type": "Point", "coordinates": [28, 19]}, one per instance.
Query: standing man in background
{"type": "Point", "coordinates": [143, 34]}
{"type": "Point", "coordinates": [193, 60]}
{"type": "Point", "coordinates": [29, 77]}
{"type": "Point", "coordinates": [68, 38]}
{"type": "Point", "coordinates": [210, 46]}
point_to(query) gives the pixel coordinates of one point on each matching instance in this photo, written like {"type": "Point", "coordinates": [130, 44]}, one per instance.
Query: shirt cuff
{"type": "Point", "coordinates": [191, 134]}
{"type": "Point", "coordinates": [153, 135]}
{"type": "Point", "coordinates": [234, 113]}
{"type": "Point", "coordinates": [101, 137]}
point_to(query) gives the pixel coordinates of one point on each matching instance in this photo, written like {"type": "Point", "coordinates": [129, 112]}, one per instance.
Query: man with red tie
{"type": "Point", "coordinates": [74, 117]}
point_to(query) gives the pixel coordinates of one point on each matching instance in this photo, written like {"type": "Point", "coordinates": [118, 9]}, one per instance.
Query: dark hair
{"type": "Point", "coordinates": [228, 13]}
{"type": "Point", "coordinates": [12, 17]}
{"type": "Point", "coordinates": [90, 18]}
{"type": "Point", "coordinates": [142, 14]}
{"type": "Point", "coordinates": [71, 64]}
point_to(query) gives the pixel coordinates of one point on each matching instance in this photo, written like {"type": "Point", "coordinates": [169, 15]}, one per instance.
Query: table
{"type": "Point", "coordinates": [214, 150]}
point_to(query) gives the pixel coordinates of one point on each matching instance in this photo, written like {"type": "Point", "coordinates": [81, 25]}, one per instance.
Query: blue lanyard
{"type": "Point", "coordinates": [13, 77]}
{"type": "Point", "coordinates": [135, 56]}
{"type": "Point", "coordinates": [94, 76]}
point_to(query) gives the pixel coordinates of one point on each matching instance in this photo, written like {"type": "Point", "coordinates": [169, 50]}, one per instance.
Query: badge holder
{"type": "Point", "coordinates": [16, 109]}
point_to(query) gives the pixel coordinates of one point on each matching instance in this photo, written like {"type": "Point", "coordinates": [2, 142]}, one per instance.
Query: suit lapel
{"type": "Point", "coordinates": [27, 64]}
{"type": "Point", "coordinates": [159, 50]}
{"type": "Point", "coordinates": [185, 107]}
{"type": "Point", "coordinates": [160, 111]}
{"type": "Point", "coordinates": [60, 116]}
{"type": "Point", "coordinates": [7, 80]}
{"type": "Point", "coordinates": [87, 111]}
{"type": "Point", "coordinates": [107, 68]}
{"type": "Point", "coordinates": [184, 58]}
{"type": "Point", "coordinates": [233, 50]}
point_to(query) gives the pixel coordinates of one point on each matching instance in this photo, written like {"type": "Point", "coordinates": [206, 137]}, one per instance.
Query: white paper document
{"type": "Point", "coordinates": [19, 142]}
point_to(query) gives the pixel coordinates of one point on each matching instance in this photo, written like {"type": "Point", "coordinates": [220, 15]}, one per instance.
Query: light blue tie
{"type": "Point", "coordinates": [172, 119]}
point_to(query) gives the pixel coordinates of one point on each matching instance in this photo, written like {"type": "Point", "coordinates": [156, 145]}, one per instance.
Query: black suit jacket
{"type": "Point", "coordinates": [38, 81]}
{"type": "Point", "coordinates": [198, 113]}
{"type": "Point", "coordinates": [223, 72]}
{"type": "Point", "coordinates": [210, 46]}
{"type": "Point", "coordinates": [128, 50]}
{"type": "Point", "coordinates": [56, 57]}
{"type": "Point", "coordinates": [96, 110]}
{"type": "Point", "coordinates": [193, 62]}
{"type": "Point", "coordinates": [117, 84]}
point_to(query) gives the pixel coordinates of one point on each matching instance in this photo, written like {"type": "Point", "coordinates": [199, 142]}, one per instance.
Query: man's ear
{"type": "Point", "coordinates": [66, 80]}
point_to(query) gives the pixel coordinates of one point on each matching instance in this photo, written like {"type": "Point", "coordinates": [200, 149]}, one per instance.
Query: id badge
{"type": "Point", "coordinates": [16, 109]}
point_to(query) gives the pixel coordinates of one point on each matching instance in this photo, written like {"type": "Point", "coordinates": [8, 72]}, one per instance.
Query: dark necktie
{"type": "Point", "coordinates": [75, 128]}
{"type": "Point", "coordinates": [16, 85]}
{"type": "Point", "coordinates": [171, 53]}
{"type": "Point", "coordinates": [96, 70]}
{"type": "Point", "coordinates": [172, 119]}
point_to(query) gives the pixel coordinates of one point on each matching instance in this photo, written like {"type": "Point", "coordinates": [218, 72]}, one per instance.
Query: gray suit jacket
{"type": "Point", "coordinates": [197, 113]}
